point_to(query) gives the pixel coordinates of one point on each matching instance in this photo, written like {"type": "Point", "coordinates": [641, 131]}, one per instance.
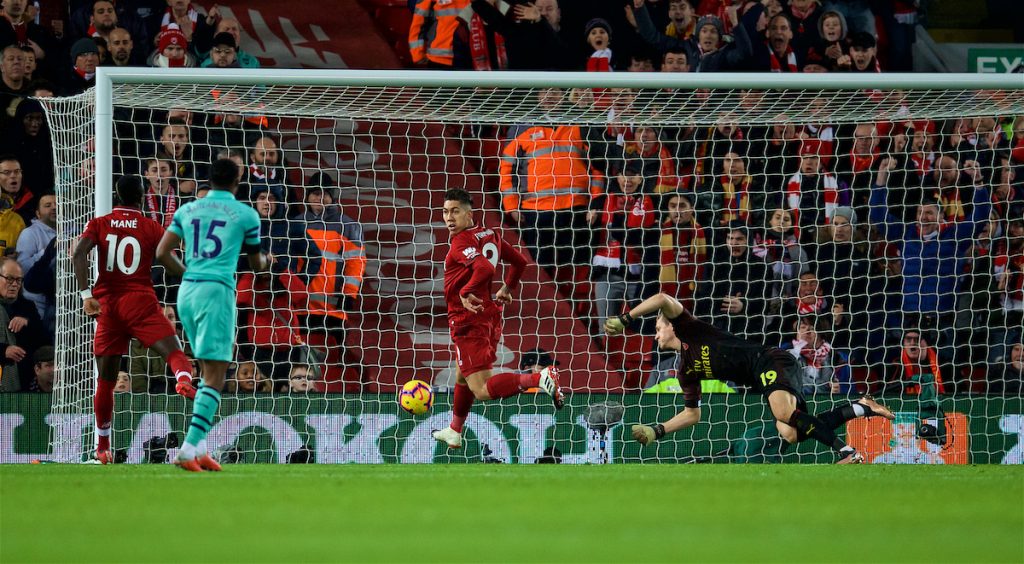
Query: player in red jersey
{"type": "Point", "coordinates": [474, 318]}
{"type": "Point", "coordinates": [123, 301]}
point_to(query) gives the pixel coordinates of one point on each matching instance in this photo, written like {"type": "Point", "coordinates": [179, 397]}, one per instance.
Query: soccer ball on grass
{"type": "Point", "coordinates": [416, 397]}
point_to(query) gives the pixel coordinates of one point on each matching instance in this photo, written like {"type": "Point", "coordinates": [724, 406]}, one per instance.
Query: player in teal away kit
{"type": "Point", "coordinates": [215, 230]}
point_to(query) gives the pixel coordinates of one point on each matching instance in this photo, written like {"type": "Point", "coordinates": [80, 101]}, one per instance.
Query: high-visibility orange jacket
{"type": "Point", "coordinates": [432, 32]}
{"type": "Point", "coordinates": [342, 266]}
{"type": "Point", "coordinates": [546, 168]}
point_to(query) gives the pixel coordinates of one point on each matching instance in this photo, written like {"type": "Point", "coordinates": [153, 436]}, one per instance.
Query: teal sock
{"type": "Point", "coordinates": [203, 412]}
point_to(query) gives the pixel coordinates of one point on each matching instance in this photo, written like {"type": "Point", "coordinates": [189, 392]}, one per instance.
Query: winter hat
{"type": "Point", "coordinates": [598, 22]}
{"type": "Point", "coordinates": [173, 36]}
{"type": "Point", "coordinates": [710, 20]}
{"type": "Point", "coordinates": [842, 23]}
{"type": "Point", "coordinates": [862, 40]}
{"type": "Point", "coordinates": [224, 38]}
{"type": "Point", "coordinates": [83, 46]}
{"type": "Point", "coordinates": [847, 212]}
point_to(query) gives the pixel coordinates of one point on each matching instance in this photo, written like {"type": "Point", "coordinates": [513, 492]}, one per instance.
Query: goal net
{"type": "Point", "coordinates": [869, 227]}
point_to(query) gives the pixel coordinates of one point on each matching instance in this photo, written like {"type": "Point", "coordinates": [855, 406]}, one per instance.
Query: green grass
{"type": "Point", "coordinates": [625, 513]}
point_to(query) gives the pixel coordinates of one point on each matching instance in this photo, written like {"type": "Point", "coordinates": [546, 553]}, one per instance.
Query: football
{"type": "Point", "coordinates": [416, 397]}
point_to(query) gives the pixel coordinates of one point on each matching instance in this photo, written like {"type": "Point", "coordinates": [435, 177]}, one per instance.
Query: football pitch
{"type": "Point", "coordinates": [493, 512]}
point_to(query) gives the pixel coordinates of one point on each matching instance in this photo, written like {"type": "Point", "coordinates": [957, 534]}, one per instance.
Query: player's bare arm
{"type": "Point", "coordinates": [165, 254]}
{"type": "Point", "coordinates": [80, 260]}
{"type": "Point", "coordinates": [664, 303]}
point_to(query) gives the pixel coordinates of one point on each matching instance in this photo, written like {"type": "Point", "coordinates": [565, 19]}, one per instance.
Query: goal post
{"type": "Point", "coordinates": [390, 142]}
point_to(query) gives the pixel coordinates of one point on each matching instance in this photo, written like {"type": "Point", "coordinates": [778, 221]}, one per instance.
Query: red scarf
{"type": "Point", "coordinates": [922, 162]}
{"type": "Point", "coordinates": [161, 213]}
{"type": "Point", "coordinates": [92, 32]}
{"type": "Point", "coordinates": [20, 32]}
{"type": "Point", "coordinates": [170, 19]}
{"type": "Point", "coordinates": [257, 173]}
{"type": "Point", "coordinates": [805, 309]}
{"type": "Point", "coordinates": [478, 46]}
{"type": "Point", "coordinates": [910, 370]}
{"type": "Point", "coordinates": [814, 357]}
{"type": "Point", "coordinates": [862, 162]}
{"type": "Point", "coordinates": [790, 60]}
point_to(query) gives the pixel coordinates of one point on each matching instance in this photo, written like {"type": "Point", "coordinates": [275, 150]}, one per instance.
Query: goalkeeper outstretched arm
{"type": "Point", "coordinates": [670, 308]}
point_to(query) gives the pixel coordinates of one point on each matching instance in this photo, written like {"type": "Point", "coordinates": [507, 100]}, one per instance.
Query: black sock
{"type": "Point", "coordinates": [836, 417]}
{"type": "Point", "coordinates": [815, 428]}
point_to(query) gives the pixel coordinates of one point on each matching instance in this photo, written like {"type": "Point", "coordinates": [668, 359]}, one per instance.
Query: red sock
{"type": "Point", "coordinates": [179, 364]}
{"type": "Point", "coordinates": [461, 403]}
{"type": "Point", "coordinates": [103, 405]}
{"type": "Point", "coordinates": [527, 381]}
{"type": "Point", "coordinates": [503, 385]}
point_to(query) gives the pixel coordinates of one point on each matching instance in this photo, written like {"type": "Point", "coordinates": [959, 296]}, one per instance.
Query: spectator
{"type": "Point", "coordinates": [1008, 377]}
{"type": "Point", "coordinates": [857, 12]}
{"type": "Point", "coordinates": [12, 185]}
{"type": "Point", "coordinates": [269, 302]}
{"type": "Point", "coordinates": [640, 62]}
{"type": "Point", "coordinates": [682, 21]}
{"type": "Point", "coordinates": [17, 29]}
{"type": "Point", "coordinates": [171, 50]}
{"type": "Point", "coordinates": [85, 57]}
{"type": "Point", "coordinates": [624, 266]}
{"type": "Point", "coordinates": [42, 89]}
{"type": "Point", "coordinates": [1007, 194]}
{"type": "Point", "coordinates": [674, 60]}
{"type": "Point", "coordinates": [777, 54]}
{"type": "Point", "coordinates": [30, 142]}
{"type": "Point", "coordinates": [804, 16]}
{"type": "Point", "coordinates": [432, 32]}
{"type": "Point", "coordinates": [127, 15]}
{"type": "Point", "coordinates": [705, 49]}
{"type": "Point", "coordinates": [235, 132]}
{"type": "Point", "coordinates": [683, 249]}
{"type": "Point", "coordinates": [284, 239]}
{"type": "Point", "coordinates": [181, 15]}
{"type": "Point", "coordinates": [43, 369]}
{"type": "Point", "coordinates": [334, 285]}
{"type": "Point", "coordinates": [933, 255]}
{"type": "Point", "coordinates": [856, 162]}
{"type": "Point", "coordinates": [550, 190]}
{"type": "Point", "coordinates": [124, 383]}
{"type": "Point", "coordinates": [32, 244]}
{"type": "Point", "coordinates": [830, 46]}
{"type": "Point", "coordinates": [862, 54]}
{"type": "Point", "coordinates": [224, 53]}
{"type": "Point", "coordinates": [161, 199]}
{"type": "Point", "coordinates": [41, 280]}
{"type": "Point", "coordinates": [812, 194]}
{"type": "Point", "coordinates": [13, 84]}
{"type": "Point", "coordinates": [249, 380]}
{"type": "Point", "coordinates": [825, 371]}
{"type": "Point", "coordinates": [530, 33]}
{"type": "Point", "coordinates": [176, 148]}
{"type": "Point", "coordinates": [232, 27]}
{"type": "Point", "coordinates": [479, 42]}
{"type": "Point", "coordinates": [779, 247]}
{"type": "Point", "coordinates": [149, 371]}
{"type": "Point", "coordinates": [21, 331]}
{"type": "Point", "coordinates": [122, 48]}
{"type": "Point", "coordinates": [1008, 270]}
{"type": "Point", "coordinates": [731, 294]}
{"type": "Point", "coordinates": [842, 263]}
{"type": "Point", "coordinates": [103, 20]}
{"type": "Point", "coordinates": [302, 380]}
{"type": "Point", "coordinates": [917, 367]}
{"type": "Point", "coordinates": [265, 163]}
{"type": "Point", "coordinates": [599, 39]}
{"type": "Point", "coordinates": [655, 159]}
{"type": "Point", "coordinates": [730, 195]}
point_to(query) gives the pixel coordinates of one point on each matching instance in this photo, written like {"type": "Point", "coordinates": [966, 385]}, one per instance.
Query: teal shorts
{"type": "Point", "coordinates": [208, 313]}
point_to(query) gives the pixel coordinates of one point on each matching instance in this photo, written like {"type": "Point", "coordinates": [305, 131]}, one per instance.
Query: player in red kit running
{"type": "Point", "coordinates": [474, 318]}
{"type": "Point", "coordinates": [123, 301]}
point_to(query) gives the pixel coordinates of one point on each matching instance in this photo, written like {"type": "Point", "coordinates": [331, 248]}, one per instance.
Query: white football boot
{"type": "Point", "coordinates": [448, 436]}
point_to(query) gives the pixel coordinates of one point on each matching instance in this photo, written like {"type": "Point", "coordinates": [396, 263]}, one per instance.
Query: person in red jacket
{"type": "Point", "coordinates": [271, 304]}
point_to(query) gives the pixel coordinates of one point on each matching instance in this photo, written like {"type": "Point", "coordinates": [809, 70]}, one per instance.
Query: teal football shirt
{"type": "Point", "coordinates": [214, 229]}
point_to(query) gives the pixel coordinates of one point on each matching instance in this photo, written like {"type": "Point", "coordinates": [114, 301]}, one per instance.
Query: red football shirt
{"type": "Point", "coordinates": [126, 241]}
{"type": "Point", "coordinates": [477, 250]}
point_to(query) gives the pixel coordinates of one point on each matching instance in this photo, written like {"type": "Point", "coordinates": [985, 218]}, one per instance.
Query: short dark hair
{"type": "Point", "coordinates": [9, 157]}
{"type": "Point", "coordinates": [223, 174]}
{"type": "Point", "coordinates": [458, 195]}
{"type": "Point", "coordinates": [130, 190]}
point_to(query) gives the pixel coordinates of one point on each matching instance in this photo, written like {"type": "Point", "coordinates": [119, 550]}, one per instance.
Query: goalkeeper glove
{"type": "Point", "coordinates": [184, 388]}
{"type": "Point", "coordinates": [616, 325]}
{"type": "Point", "coordinates": [646, 434]}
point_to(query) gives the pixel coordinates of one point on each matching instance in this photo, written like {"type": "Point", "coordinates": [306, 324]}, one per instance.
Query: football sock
{"type": "Point", "coordinates": [461, 403]}
{"type": "Point", "coordinates": [103, 406]}
{"type": "Point", "coordinates": [179, 365]}
{"type": "Point", "coordinates": [836, 417]}
{"type": "Point", "coordinates": [503, 385]}
{"type": "Point", "coordinates": [810, 426]}
{"type": "Point", "coordinates": [203, 412]}
{"type": "Point", "coordinates": [527, 381]}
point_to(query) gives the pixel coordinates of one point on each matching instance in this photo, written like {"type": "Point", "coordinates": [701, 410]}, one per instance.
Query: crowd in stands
{"type": "Point", "coordinates": [873, 252]}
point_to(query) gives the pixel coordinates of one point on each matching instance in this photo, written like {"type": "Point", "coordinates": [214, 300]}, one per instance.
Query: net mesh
{"type": "Point", "coordinates": [791, 171]}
